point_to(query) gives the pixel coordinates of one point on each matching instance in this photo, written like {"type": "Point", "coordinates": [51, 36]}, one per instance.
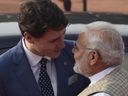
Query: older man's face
{"type": "Point", "coordinates": [81, 56]}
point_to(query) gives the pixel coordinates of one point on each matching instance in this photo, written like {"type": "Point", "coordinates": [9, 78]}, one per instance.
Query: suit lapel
{"type": "Point", "coordinates": [62, 76]}
{"type": "Point", "coordinates": [24, 72]}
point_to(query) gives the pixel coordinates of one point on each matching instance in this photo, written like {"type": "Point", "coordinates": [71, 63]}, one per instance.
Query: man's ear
{"type": "Point", "coordinates": [28, 37]}
{"type": "Point", "coordinates": [93, 57]}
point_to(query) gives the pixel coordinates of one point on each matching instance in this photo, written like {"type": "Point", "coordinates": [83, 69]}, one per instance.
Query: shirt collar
{"type": "Point", "coordinates": [33, 58]}
{"type": "Point", "coordinates": [100, 75]}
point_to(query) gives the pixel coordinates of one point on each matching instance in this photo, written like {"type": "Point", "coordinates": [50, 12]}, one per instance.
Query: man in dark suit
{"type": "Point", "coordinates": [42, 25]}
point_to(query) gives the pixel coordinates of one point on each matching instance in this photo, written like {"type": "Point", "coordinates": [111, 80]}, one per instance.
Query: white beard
{"type": "Point", "coordinates": [76, 69]}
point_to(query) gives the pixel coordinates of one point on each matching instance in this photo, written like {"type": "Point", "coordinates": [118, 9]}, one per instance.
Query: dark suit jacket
{"type": "Point", "coordinates": [17, 79]}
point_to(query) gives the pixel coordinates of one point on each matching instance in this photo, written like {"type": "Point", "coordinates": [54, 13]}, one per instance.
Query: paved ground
{"type": "Point", "coordinates": [120, 6]}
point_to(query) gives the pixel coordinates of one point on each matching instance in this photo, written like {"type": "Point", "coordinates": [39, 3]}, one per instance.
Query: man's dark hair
{"type": "Point", "coordinates": [36, 16]}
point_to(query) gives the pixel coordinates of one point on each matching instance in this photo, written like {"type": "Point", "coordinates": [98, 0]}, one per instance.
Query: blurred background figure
{"type": "Point", "coordinates": [67, 5]}
{"type": "Point", "coordinates": [84, 5]}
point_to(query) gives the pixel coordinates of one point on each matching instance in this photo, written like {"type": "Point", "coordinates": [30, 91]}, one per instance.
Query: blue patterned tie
{"type": "Point", "coordinates": [44, 80]}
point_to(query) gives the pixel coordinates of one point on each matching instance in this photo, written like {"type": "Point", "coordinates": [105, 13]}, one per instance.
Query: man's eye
{"type": "Point", "coordinates": [53, 41]}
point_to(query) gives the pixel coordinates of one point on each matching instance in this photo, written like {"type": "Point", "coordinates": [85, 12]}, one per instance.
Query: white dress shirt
{"type": "Point", "coordinates": [95, 78]}
{"type": "Point", "coordinates": [34, 60]}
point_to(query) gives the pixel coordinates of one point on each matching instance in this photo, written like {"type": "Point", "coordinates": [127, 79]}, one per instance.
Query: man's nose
{"type": "Point", "coordinates": [73, 50]}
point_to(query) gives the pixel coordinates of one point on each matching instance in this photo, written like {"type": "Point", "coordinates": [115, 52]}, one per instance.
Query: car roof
{"type": "Point", "coordinates": [10, 33]}
{"type": "Point", "coordinates": [9, 29]}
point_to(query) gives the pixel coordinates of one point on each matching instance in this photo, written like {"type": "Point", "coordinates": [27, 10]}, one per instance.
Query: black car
{"type": "Point", "coordinates": [10, 33]}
